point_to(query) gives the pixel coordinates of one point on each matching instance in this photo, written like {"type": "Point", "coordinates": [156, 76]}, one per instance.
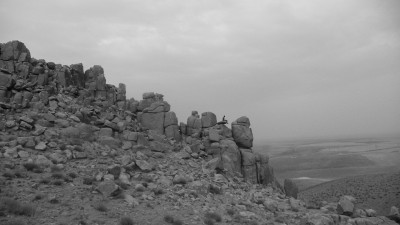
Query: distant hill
{"type": "Point", "coordinates": [376, 191]}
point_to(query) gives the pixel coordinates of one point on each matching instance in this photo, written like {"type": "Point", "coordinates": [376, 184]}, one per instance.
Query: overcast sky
{"type": "Point", "coordinates": [296, 68]}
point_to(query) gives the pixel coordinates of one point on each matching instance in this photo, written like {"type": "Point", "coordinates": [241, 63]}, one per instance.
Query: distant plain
{"type": "Point", "coordinates": [315, 161]}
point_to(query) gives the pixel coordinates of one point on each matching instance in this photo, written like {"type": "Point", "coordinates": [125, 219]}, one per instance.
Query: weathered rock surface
{"type": "Point", "coordinates": [242, 133]}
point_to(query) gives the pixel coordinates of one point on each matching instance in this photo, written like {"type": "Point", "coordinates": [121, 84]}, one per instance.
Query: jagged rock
{"type": "Point", "coordinates": [126, 145]}
{"type": "Point", "coordinates": [41, 146]}
{"type": "Point", "coordinates": [43, 161]}
{"type": "Point", "coordinates": [107, 188]}
{"type": "Point", "coordinates": [173, 132]}
{"type": "Point", "coordinates": [317, 219]}
{"type": "Point", "coordinates": [170, 119]}
{"type": "Point", "coordinates": [270, 205]}
{"type": "Point", "coordinates": [296, 205]}
{"type": "Point", "coordinates": [131, 200]}
{"type": "Point", "coordinates": [111, 125]}
{"type": "Point", "coordinates": [110, 141]}
{"type": "Point", "coordinates": [182, 179]}
{"type": "Point", "coordinates": [57, 158]}
{"type": "Point", "coordinates": [291, 188]}
{"type": "Point", "coordinates": [346, 205]}
{"type": "Point", "coordinates": [394, 211]}
{"type": "Point", "coordinates": [208, 119]}
{"type": "Point", "coordinates": [144, 165]}
{"type": "Point", "coordinates": [16, 51]}
{"type": "Point", "coordinates": [213, 135]}
{"type": "Point", "coordinates": [183, 155]}
{"type": "Point", "coordinates": [6, 82]}
{"type": "Point", "coordinates": [130, 136]}
{"type": "Point", "coordinates": [242, 133]}
{"type": "Point", "coordinates": [159, 146]}
{"type": "Point", "coordinates": [115, 170]}
{"type": "Point", "coordinates": [11, 152]}
{"type": "Point", "coordinates": [371, 213]}
{"type": "Point", "coordinates": [152, 121]}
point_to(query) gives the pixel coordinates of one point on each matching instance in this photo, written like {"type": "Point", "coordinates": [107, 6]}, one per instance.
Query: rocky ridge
{"type": "Point", "coordinates": [71, 138]}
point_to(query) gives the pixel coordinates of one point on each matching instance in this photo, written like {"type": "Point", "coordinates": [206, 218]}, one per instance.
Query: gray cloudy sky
{"type": "Point", "coordinates": [299, 68]}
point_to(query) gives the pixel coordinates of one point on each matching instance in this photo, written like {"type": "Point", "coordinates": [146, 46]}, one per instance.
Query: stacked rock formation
{"type": "Point", "coordinates": [230, 148]}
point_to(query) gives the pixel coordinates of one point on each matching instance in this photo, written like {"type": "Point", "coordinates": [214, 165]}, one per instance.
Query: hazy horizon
{"type": "Point", "coordinates": [297, 69]}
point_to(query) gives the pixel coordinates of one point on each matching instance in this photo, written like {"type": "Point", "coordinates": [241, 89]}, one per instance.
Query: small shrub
{"type": "Point", "coordinates": [170, 219]}
{"type": "Point", "coordinates": [13, 206]}
{"type": "Point", "coordinates": [58, 182]}
{"type": "Point", "coordinates": [55, 169]}
{"type": "Point", "coordinates": [209, 221]}
{"type": "Point", "coordinates": [180, 180]}
{"type": "Point", "coordinates": [19, 174]}
{"type": "Point", "coordinates": [126, 221]}
{"type": "Point", "coordinates": [214, 189]}
{"type": "Point", "coordinates": [122, 185]}
{"type": "Point", "coordinates": [45, 180]}
{"type": "Point", "coordinates": [158, 191]}
{"type": "Point", "coordinates": [9, 175]}
{"type": "Point", "coordinates": [30, 166]}
{"type": "Point", "coordinates": [214, 216]}
{"type": "Point", "coordinates": [230, 212]}
{"type": "Point", "coordinates": [38, 197]}
{"type": "Point", "coordinates": [57, 176]}
{"type": "Point", "coordinates": [73, 175]}
{"type": "Point", "coordinates": [88, 180]}
{"type": "Point", "coordinates": [38, 170]}
{"type": "Point", "coordinates": [395, 218]}
{"type": "Point", "coordinates": [177, 222]}
{"type": "Point", "coordinates": [147, 179]}
{"type": "Point", "coordinates": [101, 206]}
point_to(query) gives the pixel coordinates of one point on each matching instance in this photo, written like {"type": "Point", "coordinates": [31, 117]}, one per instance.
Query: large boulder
{"type": "Point", "coordinates": [152, 121]}
{"type": "Point", "coordinates": [265, 172]}
{"type": "Point", "coordinates": [63, 76]}
{"type": "Point", "coordinates": [15, 51]}
{"type": "Point", "coordinates": [6, 81]}
{"type": "Point", "coordinates": [208, 119]}
{"type": "Point", "coordinates": [242, 132]}
{"type": "Point", "coordinates": [194, 124]}
{"type": "Point", "coordinates": [172, 131]}
{"type": "Point", "coordinates": [170, 119]}
{"type": "Point", "coordinates": [346, 205]}
{"type": "Point", "coordinates": [231, 158]}
{"type": "Point", "coordinates": [249, 169]}
{"type": "Point", "coordinates": [158, 107]}
{"type": "Point", "coordinates": [291, 188]}
{"type": "Point", "coordinates": [78, 77]}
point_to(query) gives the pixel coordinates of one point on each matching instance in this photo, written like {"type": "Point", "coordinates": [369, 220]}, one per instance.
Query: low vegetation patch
{"type": "Point", "coordinates": [170, 219]}
{"type": "Point", "coordinates": [101, 206]}
{"type": "Point", "coordinates": [88, 180]}
{"type": "Point", "coordinates": [30, 166]}
{"type": "Point", "coordinates": [214, 216]}
{"type": "Point", "coordinates": [126, 221]}
{"type": "Point", "coordinates": [14, 207]}
{"type": "Point", "coordinates": [15, 222]}
{"type": "Point", "coordinates": [72, 175]}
